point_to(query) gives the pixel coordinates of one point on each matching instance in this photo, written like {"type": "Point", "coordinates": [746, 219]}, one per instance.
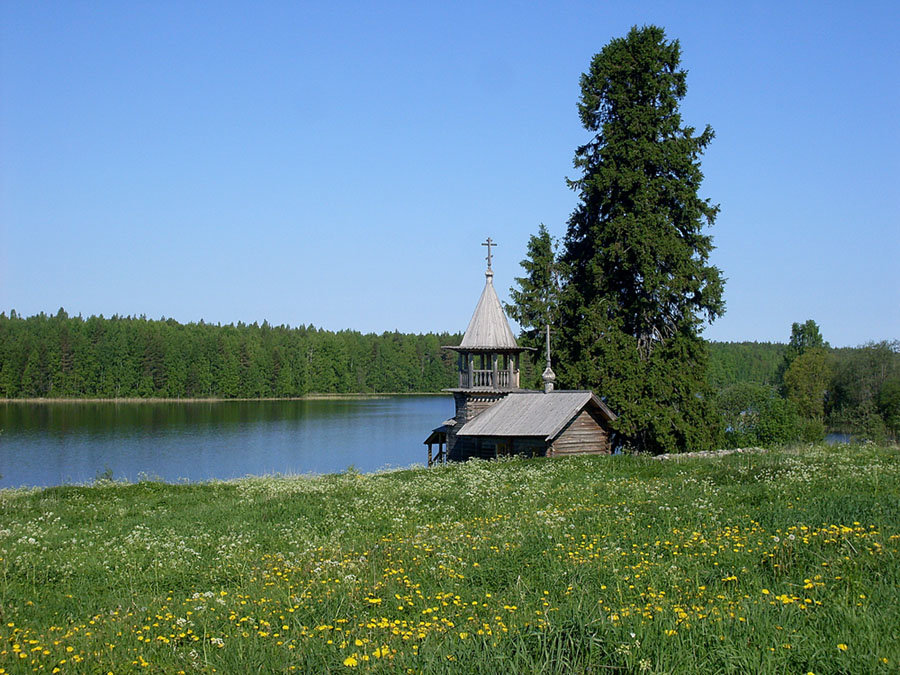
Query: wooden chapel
{"type": "Point", "coordinates": [494, 417]}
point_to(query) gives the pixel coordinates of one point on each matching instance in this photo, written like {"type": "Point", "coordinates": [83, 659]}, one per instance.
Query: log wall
{"type": "Point", "coordinates": [468, 406]}
{"type": "Point", "coordinates": [584, 435]}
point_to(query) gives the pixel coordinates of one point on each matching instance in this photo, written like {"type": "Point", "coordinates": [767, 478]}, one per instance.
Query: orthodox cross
{"type": "Point", "coordinates": [489, 243]}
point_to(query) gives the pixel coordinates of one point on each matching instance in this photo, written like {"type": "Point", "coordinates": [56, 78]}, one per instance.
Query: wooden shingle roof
{"type": "Point", "coordinates": [488, 328]}
{"type": "Point", "coordinates": [533, 414]}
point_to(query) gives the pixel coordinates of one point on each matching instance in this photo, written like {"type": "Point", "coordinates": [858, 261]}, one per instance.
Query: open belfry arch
{"type": "Point", "coordinates": [521, 422]}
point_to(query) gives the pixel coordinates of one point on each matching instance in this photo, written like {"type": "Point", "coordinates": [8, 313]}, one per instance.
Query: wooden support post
{"type": "Point", "coordinates": [495, 374]}
{"type": "Point", "coordinates": [429, 455]}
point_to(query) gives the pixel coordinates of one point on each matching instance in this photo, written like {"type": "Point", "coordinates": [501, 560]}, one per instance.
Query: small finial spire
{"type": "Point", "coordinates": [548, 345]}
{"type": "Point", "coordinates": [549, 376]}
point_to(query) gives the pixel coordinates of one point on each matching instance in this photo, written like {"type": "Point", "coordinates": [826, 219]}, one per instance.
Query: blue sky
{"type": "Point", "coordinates": [339, 164]}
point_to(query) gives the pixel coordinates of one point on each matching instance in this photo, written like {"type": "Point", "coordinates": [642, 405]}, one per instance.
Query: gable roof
{"type": "Point", "coordinates": [488, 328]}
{"type": "Point", "coordinates": [533, 414]}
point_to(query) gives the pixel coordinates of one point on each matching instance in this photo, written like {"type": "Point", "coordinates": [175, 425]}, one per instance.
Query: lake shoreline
{"type": "Point", "coordinates": [308, 397]}
{"type": "Point", "coordinates": [73, 441]}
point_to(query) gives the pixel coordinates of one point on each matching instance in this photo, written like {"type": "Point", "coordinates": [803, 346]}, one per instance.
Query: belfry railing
{"type": "Point", "coordinates": [487, 379]}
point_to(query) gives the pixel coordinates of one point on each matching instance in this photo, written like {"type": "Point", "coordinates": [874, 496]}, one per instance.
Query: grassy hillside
{"type": "Point", "coordinates": [778, 562]}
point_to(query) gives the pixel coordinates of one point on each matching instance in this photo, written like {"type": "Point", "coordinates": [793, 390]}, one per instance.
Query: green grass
{"type": "Point", "coordinates": [778, 562]}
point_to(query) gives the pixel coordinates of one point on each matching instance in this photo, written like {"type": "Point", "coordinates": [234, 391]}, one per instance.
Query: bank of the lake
{"type": "Point", "coordinates": [51, 443]}
{"type": "Point", "coordinates": [785, 561]}
{"type": "Point", "coordinates": [213, 399]}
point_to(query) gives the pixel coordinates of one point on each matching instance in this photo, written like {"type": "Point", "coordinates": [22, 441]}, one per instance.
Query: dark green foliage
{"type": "Point", "coordinates": [889, 404]}
{"type": "Point", "coordinates": [755, 415]}
{"type": "Point", "coordinates": [862, 394]}
{"type": "Point", "coordinates": [860, 385]}
{"type": "Point", "coordinates": [804, 375]}
{"type": "Point", "coordinates": [806, 381]}
{"type": "Point", "coordinates": [811, 430]}
{"type": "Point", "coordinates": [637, 283]}
{"type": "Point", "coordinates": [535, 301]}
{"type": "Point", "coordinates": [69, 357]}
{"type": "Point", "coordinates": [734, 362]}
{"type": "Point", "coordinates": [804, 336]}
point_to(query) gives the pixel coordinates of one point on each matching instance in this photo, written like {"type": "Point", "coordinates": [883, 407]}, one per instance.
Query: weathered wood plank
{"type": "Point", "coordinates": [583, 435]}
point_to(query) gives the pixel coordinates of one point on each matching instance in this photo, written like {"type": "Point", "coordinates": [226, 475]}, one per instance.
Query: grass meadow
{"type": "Point", "coordinates": [782, 562]}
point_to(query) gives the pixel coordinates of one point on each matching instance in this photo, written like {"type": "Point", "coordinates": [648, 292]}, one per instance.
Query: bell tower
{"type": "Point", "coordinates": [488, 358]}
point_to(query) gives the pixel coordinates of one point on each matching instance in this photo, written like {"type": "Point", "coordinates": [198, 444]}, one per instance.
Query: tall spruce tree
{"type": "Point", "coordinates": [638, 286]}
{"type": "Point", "coordinates": [536, 300]}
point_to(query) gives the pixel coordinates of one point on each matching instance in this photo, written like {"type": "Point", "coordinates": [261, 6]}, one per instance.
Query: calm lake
{"type": "Point", "coordinates": [56, 443]}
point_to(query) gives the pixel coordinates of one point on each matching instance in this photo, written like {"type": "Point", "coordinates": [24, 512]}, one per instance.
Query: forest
{"type": "Point", "coordinates": [125, 357]}
{"type": "Point", "coordinates": [42, 356]}
{"type": "Point", "coordinates": [771, 393]}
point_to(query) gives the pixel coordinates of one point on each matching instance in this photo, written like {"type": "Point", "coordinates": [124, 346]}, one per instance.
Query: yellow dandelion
{"type": "Point", "coordinates": [351, 662]}
{"type": "Point", "coordinates": [843, 647]}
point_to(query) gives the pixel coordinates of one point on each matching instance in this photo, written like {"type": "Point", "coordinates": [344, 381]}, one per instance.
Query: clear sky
{"type": "Point", "coordinates": [339, 164]}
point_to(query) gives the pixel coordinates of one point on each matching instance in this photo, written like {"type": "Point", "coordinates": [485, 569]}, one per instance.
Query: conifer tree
{"type": "Point", "coordinates": [638, 287]}
{"type": "Point", "coordinates": [535, 301]}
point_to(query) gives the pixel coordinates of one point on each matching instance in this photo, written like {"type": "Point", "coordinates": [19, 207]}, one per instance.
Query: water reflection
{"type": "Point", "coordinates": [49, 444]}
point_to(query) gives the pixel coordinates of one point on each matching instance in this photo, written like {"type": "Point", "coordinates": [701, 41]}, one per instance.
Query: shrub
{"type": "Point", "coordinates": [889, 405]}
{"type": "Point", "coordinates": [754, 414]}
{"type": "Point", "coordinates": [811, 430]}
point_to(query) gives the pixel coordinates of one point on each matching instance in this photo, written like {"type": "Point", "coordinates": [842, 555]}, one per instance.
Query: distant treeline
{"type": "Point", "coordinates": [123, 357]}
{"type": "Point", "coordinates": [850, 389]}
